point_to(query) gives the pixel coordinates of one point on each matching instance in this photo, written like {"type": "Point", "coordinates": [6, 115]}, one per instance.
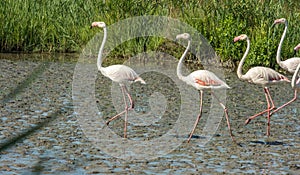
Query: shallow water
{"type": "Point", "coordinates": [41, 130]}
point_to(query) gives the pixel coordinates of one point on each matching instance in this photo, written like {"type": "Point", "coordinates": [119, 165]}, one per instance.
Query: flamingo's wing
{"type": "Point", "coordinates": [264, 75]}
{"type": "Point", "coordinates": [120, 73]}
{"type": "Point", "coordinates": [291, 64]}
{"type": "Point", "coordinates": [207, 79]}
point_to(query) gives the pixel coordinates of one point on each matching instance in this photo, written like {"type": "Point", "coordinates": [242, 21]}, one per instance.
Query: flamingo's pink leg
{"type": "Point", "coordinates": [267, 94]}
{"type": "Point", "coordinates": [269, 108]}
{"type": "Point", "coordinates": [198, 118]}
{"type": "Point", "coordinates": [226, 115]}
{"type": "Point", "coordinates": [124, 91]}
{"type": "Point", "coordinates": [295, 97]}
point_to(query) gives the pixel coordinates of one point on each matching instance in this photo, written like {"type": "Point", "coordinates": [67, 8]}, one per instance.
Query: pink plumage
{"type": "Point", "coordinates": [201, 80]}
{"type": "Point", "coordinates": [290, 64]}
{"type": "Point", "coordinates": [262, 76]}
{"type": "Point", "coordinates": [118, 73]}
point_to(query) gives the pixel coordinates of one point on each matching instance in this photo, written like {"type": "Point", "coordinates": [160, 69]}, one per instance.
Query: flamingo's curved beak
{"type": "Point", "coordinates": [236, 39]}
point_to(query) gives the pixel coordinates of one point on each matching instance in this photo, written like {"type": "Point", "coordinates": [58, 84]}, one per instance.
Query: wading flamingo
{"type": "Point", "coordinates": [118, 73]}
{"type": "Point", "coordinates": [290, 64]}
{"type": "Point", "coordinates": [201, 80]}
{"type": "Point", "coordinates": [262, 76]}
{"type": "Point", "coordinates": [295, 84]}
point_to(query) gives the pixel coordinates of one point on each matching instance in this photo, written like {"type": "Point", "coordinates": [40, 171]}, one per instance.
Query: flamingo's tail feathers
{"type": "Point", "coordinates": [285, 79]}
{"type": "Point", "coordinates": [224, 85]}
{"type": "Point", "coordinates": [140, 80]}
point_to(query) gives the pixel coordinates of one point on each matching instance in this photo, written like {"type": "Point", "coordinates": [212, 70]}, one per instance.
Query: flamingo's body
{"type": "Point", "coordinates": [201, 80]}
{"type": "Point", "coordinates": [290, 65]}
{"type": "Point", "coordinates": [118, 73]}
{"type": "Point", "coordinates": [204, 79]}
{"type": "Point", "coordinates": [262, 76]}
{"type": "Point", "coordinates": [121, 74]}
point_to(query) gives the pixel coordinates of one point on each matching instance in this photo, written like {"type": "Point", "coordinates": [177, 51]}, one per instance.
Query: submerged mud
{"type": "Point", "coordinates": [40, 132]}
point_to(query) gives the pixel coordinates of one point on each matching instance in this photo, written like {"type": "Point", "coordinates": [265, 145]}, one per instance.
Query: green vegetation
{"type": "Point", "coordinates": [63, 25]}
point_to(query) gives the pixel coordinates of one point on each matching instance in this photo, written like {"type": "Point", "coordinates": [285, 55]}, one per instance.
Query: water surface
{"type": "Point", "coordinates": [40, 131]}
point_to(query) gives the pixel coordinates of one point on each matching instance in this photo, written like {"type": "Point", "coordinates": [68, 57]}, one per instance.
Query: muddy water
{"type": "Point", "coordinates": [40, 130]}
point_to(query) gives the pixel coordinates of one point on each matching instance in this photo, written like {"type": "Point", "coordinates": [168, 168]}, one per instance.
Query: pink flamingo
{"type": "Point", "coordinates": [201, 80]}
{"type": "Point", "coordinates": [290, 64]}
{"type": "Point", "coordinates": [261, 76]}
{"type": "Point", "coordinates": [295, 84]}
{"type": "Point", "coordinates": [118, 73]}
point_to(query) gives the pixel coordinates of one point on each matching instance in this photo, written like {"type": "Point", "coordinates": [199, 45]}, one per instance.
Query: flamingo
{"type": "Point", "coordinates": [201, 80]}
{"type": "Point", "coordinates": [295, 84]}
{"type": "Point", "coordinates": [290, 64]}
{"type": "Point", "coordinates": [118, 73]}
{"type": "Point", "coordinates": [262, 76]}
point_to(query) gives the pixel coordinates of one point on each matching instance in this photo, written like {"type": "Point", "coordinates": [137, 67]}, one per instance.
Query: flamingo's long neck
{"type": "Point", "coordinates": [239, 69]}
{"type": "Point", "coordinates": [296, 78]}
{"type": "Point", "coordinates": [280, 45]}
{"type": "Point", "coordinates": [180, 63]}
{"type": "Point", "coordinates": [99, 60]}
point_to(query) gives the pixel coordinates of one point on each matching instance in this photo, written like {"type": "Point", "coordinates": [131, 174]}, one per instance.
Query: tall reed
{"type": "Point", "coordinates": [63, 25]}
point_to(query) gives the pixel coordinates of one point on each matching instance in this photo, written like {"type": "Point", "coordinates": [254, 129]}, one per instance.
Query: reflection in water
{"type": "Point", "coordinates": [39, 130]}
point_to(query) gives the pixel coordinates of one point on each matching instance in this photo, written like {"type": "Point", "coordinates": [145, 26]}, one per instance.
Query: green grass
{"type": "Point", "coordinates": [63, 25]}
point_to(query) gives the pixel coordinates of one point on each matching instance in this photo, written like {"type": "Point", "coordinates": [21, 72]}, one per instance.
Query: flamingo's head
{"type": "Point", "coordinates": [241, 37]}
{"type": "Point", "coordinates": [183, 36]}
{"type": "Point", "coordinates": [98, 24]}
{"type": "Point", "coordinates": [296, 49]}
{"type": "Point", "coordinates": [279, 21]}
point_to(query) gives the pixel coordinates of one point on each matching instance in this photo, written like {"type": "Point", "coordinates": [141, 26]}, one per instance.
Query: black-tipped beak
{"type": "Point", "coordinates": [295, 52]}
{"type": "Point", "coordinates": [91, 27]}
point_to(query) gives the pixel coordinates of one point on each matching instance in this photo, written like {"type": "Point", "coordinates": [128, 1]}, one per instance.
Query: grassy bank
{"type": "Point", "coordinates": [63, 25]}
